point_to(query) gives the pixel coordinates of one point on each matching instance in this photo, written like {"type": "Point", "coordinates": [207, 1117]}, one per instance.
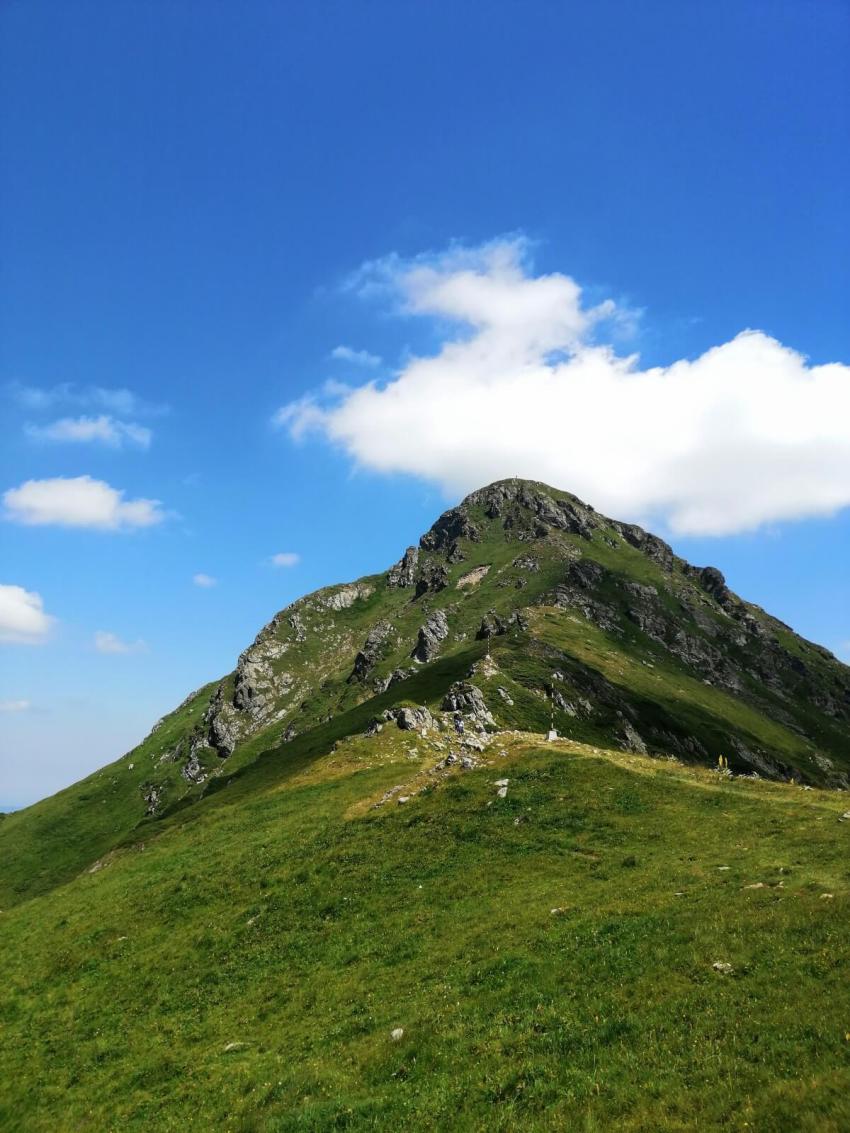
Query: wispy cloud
{"type": "Point", "coordinates": [106, 642]}
{"type": "Point", "coordinates": [527, 381]}
{"type": "Point", "coordinates": [116, 400]}
{"type": "Point", "coordinates": [356, 357]}
{"type": "Point", "coordinates": [205, 581]}
{"type": "Point", "coordinates": [15, 705]}
{"type": "Point", "coordinates": [78, 501]}
{"type": "Point", "coordinates": [104, 430]}
{"type": "Point", "coordinates": [285, 559]}
{"type": "Point", "coordinates": [23, 620]}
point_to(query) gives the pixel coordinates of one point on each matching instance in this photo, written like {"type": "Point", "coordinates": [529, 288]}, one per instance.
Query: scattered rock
{"type": "Point", "coordinates": [397, 1034]}
{"type": "Point", "coordinates": [234, 1046]}
{"type": "Point", "coordinates": [723, 967]}
{"type": "Point", "coordinates": [416, 719]}
{"type": "Point", "coordinates": [387, 795]}
{"type": "Point", "coordinates": [477, 743]}
{"type": "Point", "coordinates": [398, 675]}
{"type": "Point", "coordinates": [527, 563]}
{"type": "Point", "coordinates": [152, 795]}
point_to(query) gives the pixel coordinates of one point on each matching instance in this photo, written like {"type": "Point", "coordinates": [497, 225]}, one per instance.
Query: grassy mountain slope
{"type": "Point", "coordinates": [549, 954]}
{"type": "Point", "coordinates": [362, 829]}
{"type": "Point", "coordinates": [596, 624]}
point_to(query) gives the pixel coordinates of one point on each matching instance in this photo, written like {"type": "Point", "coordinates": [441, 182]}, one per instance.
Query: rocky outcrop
{"type": "Point", "coordinates": [577, 591]}
{"type": "Point", "coordinates": [223, 723]}
{"type": "Point", "coordinates": [152, 794]}
{"type": "Point", "coordinates": [528, 510]}
{"type": "Point", "coordinates": [192, 771]}
{"type": "Point", "coordinates": [255, 696]}
{"type": "Point", "coordinates": [433, 577]}
{"type": "Point", "coordinates": [343, 597]}
{"type": "Point", "coordinates": [297, 626]}
{"type": "Point", "coordinates": [494, 625]}
{"type": "Point", "coordinates": [431, 636]}
{"type": "Point", "coordinates": [416, 719]}
{"type": "Point", "coordinates": [712, 582]}
{"type": "Point", "coordinates": [452, 526]}
{"type": "Point", "coordinates": [372, 651]}
{"type": "Point", "coordinates": [468, 699]}
{"type": "Point", "coordinates": [404, 572]}
{"type": "Point", "coordinates": [650, 545]}
{"type": "Point", "coordinates": [630, 739]}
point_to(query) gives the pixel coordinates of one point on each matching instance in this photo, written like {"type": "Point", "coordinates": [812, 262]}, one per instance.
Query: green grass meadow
{"type": "Point", "coordinates": [243, 966]}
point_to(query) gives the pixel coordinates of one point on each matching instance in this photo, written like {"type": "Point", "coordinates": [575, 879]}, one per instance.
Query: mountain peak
{"type": "Point", "coordinates": [522, 608]}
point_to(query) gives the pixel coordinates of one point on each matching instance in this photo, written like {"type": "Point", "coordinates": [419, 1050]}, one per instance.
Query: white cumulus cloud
{"type": "Point", "coordinates": [105, 642]}
{"type": "Point", "coordinates": [84, 430]}
{"type": "Point", "coordinates": [524, 384]}
{"type": "Point", "coordinates": [356, 357]}
{"type": "Point", "coordinates": [285, 559]}
{"type": "Point", "coordinates": [204, 580]}
{"type": "Point", "coordinates": [14, 705]}
{"type": "Point", "coordinates": [78, 501]}
{"type": "Point", "coordinates": [23, 620]}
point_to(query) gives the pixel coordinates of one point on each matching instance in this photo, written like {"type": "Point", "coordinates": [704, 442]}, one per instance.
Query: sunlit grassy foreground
{"type": "Point", "coordinates": [549, 956]}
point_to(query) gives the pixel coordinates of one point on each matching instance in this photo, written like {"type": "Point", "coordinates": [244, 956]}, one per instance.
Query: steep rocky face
{"type": "Point", "coordinates": [523, 606]}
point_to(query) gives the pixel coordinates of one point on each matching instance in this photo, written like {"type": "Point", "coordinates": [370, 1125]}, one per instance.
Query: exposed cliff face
{"type": "Point", "coordinates": [669, 659]}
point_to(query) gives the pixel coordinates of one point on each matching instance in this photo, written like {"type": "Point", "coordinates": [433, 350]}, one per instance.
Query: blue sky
{"type": "Point", "coordinates": [201, 203]}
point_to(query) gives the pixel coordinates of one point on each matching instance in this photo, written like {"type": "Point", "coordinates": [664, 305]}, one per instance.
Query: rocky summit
{"type": "Point", "coordinates": [573, 607]}
{"type": "Point", "coordinates": [593, 626]}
